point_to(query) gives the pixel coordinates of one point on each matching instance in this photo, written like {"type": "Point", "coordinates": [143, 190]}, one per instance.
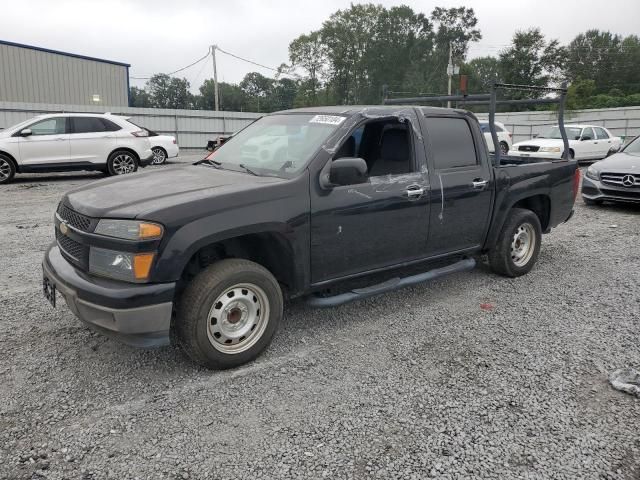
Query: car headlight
{"type": "Point", "coordinates": [127, 266]}
{"type": "Point", "coordinates": [129, 229]}
{"type": "Point", "coordinates": [550, 149]}
{"type": "Point", "coordinates": [592, 173]}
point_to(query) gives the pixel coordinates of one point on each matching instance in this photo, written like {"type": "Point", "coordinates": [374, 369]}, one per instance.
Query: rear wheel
{"type": "Point", "coordinates": [7, 169]}
{"type": "Point", "coordinates": [159, 156]}
{"type": "Point", "coordinates": [122, 162]}
{"type": "Point", "coordinates": [504, 148]}
{"type": "Point", "coordinates": [518, 246]}
{"type": "Point", "coordinates": [228, 314]}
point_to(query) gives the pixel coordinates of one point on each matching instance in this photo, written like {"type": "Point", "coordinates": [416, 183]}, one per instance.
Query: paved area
{"type": "Point", "coordinates": [472, 376]}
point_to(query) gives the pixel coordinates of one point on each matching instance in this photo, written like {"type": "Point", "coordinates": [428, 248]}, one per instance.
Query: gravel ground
{"type": "Point", "coordinates": [414, 384]}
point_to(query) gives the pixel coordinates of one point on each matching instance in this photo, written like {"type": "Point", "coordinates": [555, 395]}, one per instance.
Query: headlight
{"type": "Point", "coordinates": [550, 149]}
{"type": "Point", "coordinates": [129, 229]}
{"type": "Point", "coordinates": [127, 266]}
{"type": "Point", "coordinates": [592, 173]}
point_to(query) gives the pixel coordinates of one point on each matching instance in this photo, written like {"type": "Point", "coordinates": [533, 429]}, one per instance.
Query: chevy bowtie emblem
{"type": "Point", "coordinates": [64, 228]}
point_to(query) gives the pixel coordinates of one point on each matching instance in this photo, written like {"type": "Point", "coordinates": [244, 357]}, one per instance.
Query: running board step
{"type": "Point", "coordinates": [390, 285]}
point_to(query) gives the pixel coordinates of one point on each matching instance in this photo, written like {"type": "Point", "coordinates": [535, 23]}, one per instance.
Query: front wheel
{"type": "Point", "coordinates": [518, 246]}
{"type": "Point", "coordinates": [121, 162]}
{"type": "Point", "coordinates": [229, 313]}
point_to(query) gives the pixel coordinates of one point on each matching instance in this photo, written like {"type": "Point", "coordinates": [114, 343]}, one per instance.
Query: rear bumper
{"type": "Point", "coordinates": [146, 158]}
{"type": "Point", "coordinates": [545, 155]}
{"type": "Point", "coordinates": [138, 315]}
{"type": "Point", "coordinates": [596, 190]}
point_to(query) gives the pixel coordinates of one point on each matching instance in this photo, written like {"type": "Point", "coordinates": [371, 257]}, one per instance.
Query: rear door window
{"type": "Point", "coordinates": [601, 133]}
{"type": "Point", "coordinates": [452, 143]}
{"type": "Point", "coordinates": [88, 125]}
{"type": "Point", "coordinates": [110, 126]}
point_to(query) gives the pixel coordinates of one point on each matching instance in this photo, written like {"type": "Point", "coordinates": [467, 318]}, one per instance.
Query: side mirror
{"type": "Point", "coordinates": [346, 171]}
{"type": "Point", "coordinates": [586, 137]}
{"type": "Point", "coordinates": [26, 132]}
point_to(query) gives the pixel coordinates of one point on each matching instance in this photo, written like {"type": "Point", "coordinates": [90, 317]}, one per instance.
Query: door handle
{"type": "Point", "coordinates": [479, 184]}
{"type": "Point", "coordinates": [59, 139]}
{"type": "Point", "coordinates": [415, 192]}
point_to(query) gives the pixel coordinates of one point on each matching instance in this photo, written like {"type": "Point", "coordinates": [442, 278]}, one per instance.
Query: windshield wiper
{"type": "Point", "coordinates": [248, 170]}
{"type": "Point", "coordinates": [285, 165]}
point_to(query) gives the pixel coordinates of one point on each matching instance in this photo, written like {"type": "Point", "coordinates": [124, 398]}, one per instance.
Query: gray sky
{"type": "Point", "coordinates": [162, 36]}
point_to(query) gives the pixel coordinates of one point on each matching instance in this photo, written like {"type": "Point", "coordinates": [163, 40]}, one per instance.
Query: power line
{"type": "Point", "coordinates": [295, 75]}
{"type": "Point", "coordinates": [176, 71]}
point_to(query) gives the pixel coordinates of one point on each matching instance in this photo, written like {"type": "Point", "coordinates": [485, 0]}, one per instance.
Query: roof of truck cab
{"type": "Point", "coordinates": [354, 109]}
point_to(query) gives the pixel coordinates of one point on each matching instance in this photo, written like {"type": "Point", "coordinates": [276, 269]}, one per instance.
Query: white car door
{"type": "Point", "coordinates": [587, 144]}
{"type": "Point", "coordinates": [603, 142]}
{"type": "Point", "coordinates": [90, 141]}
{"type": "Point", "coordinates": [47, 144]}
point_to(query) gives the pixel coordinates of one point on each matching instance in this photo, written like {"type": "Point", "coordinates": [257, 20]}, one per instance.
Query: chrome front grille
{"type": "Point", "coordinates": [75, 219]}
{"type": "Point", "coordinates": [621, 179]}
{"type": "Point", "coordinates": [528, 148]}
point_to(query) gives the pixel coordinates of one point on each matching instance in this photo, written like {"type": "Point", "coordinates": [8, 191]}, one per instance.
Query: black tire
{"type": "Point", "coordinates": [159, 155]}
{"type": "Point", "coordinates": [196, 315]}
{"type": "Point", "coordinates": [502, 258]}
{"type": "Point", "coordinates": [7, 169]}
{"type": "Point", "coordinates": [122, 162]}
{"type": "Point", "coordinates": [590, 202]}
{"type": "Point", "coordinates": [504, 148]}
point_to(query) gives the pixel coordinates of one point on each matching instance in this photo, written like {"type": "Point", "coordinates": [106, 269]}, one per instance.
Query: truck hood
{"type": "Point", "coordinates": [543, 142]}
{"type": "Point", "coordinates": [619, 163]}
{"type": "Point", "coordinates": [139, 195]}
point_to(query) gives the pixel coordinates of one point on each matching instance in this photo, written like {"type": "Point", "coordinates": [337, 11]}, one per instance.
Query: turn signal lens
{"type": "Point", "coordinates": [147, 231]}
{"type": "Point", "coordinates": [142, 265]}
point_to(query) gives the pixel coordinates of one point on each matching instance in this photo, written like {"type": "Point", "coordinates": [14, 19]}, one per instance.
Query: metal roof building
{"type": "Point", "coordinates": [39, 75]}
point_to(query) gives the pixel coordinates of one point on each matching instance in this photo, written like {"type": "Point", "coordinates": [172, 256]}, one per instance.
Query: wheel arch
{"type": "Point", "coordinates": [271, 249]}
{"type": "Point", "coordinates": [124, 149]}
{"type": "Point", "coordinates": [11, 159]}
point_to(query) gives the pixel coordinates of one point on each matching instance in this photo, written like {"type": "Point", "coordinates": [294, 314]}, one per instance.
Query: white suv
{"type": "Point", "coordinates": [73, 141]}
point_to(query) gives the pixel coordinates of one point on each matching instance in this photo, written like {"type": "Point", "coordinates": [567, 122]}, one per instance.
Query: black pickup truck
{"type": "Point", "coordinates": [297, 204]}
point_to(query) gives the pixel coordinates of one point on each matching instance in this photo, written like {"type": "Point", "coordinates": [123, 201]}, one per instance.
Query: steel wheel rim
{"type": "Point", "coordinates": [123, 163]}
{"type": "Point", "coordinates": [158, 156]}
{"type": "Point", "coordinates": [5, 169]}
{"type": "Point", "coordinates": [238, 318]}
{"type": "Point", "coordinates": [523, 244]}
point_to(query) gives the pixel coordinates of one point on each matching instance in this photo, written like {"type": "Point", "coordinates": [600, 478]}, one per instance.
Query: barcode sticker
{"type": "Point", "coordinates": [327, 119]}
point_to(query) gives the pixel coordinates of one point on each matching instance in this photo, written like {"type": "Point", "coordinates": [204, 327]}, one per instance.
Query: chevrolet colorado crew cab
{"type": "Point", "coordinates": [299, 203]}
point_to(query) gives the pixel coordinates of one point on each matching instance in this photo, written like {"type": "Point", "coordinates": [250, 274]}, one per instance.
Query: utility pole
{"type": "Point", "coordinates": [449, 73]}
{"type": "Point", "coordinates": [215, 79]}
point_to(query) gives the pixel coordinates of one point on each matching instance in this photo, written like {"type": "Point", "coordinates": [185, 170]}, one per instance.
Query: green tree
{"type": "Point", "coordinates": [483, 72]}
{"type": "Point", "coordinates": [597, 56]}
{"type": "Point", "coordinates": [309, 53]}
{"type": "Point", "coordinates": [257, 91]}
{"type": "Point", "coordinates": [138, 97]}
{"type": "Point", "coordinates": [169, 92]}
{"type": "Point", "coordinates": [231, 96]}
{"type": "Point", "coordinates": [531, 60]}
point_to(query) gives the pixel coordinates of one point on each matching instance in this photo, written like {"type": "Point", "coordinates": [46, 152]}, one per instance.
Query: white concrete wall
{"type": "Point", "coordinates": [624, 122]}
{"type": "Point", "coordinates": [192, 128]}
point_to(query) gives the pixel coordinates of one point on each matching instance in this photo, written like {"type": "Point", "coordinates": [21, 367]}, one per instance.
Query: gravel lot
{"type": "Point", "coordinates": [414, 384]}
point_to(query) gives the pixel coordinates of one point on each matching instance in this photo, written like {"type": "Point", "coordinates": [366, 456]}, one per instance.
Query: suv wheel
{"type": "Point", "coordinates": [159, 156]}
{"type": "Point", "coordinates": [504, 148]}
{"type": "Point", "coordinates": [518, 245]}
{"type": "Point", "coordinates": [7, 169]}
{"type": "Point", "coordinates": [122, 162]}
{"type": "Point", "coordinates": [228, 314]}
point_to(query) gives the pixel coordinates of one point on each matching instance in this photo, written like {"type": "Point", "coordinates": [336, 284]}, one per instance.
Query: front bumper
{"type": "Point", "coordinates": [547, 155]}
{"type": "Point", "coordinates": [138, 315]}
{"type": "Point", "coordinates": [597, 190]}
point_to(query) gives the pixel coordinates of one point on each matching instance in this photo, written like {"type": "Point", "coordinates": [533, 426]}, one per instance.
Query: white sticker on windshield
{"type": "Point", "coordinates": [327, 119]}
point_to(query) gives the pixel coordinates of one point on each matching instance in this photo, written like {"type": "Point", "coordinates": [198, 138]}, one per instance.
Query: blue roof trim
{"type": "Point", "coordinates": [67, 54]}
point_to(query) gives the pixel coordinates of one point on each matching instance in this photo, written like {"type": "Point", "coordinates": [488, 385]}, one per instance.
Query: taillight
{"type": "Point", "coordinates": [576, 183]}
{"type": "Point", "coordinates": [140, 133]}
{"type": "Point", "coordinates": [174, 141]}
{"type": "Point", "coordinates": [510, 135]}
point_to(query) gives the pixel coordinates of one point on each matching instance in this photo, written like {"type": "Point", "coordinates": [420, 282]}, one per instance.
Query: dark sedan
{"type": "Point", "coordinates": [615, 179]}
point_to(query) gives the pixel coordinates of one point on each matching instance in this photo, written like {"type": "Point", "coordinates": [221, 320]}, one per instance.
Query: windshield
{"type": "Point", "coordinates": [279, 145]}
{"type": "Point", "coordinates": [633, 147]}
{"type": "Point", "coordinates": [573, 133]}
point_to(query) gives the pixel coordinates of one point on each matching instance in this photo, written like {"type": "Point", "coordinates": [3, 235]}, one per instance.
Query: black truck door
{"type": "Point", "coordinates": [358, 228]}
{"type": "Point", "coordinates": [461, 184]}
